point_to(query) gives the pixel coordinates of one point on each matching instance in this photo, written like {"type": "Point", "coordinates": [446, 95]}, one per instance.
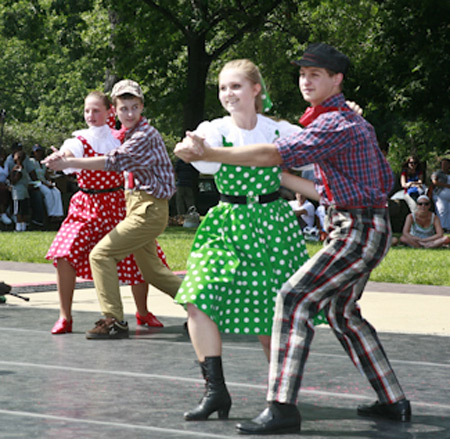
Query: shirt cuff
{"type": "Point", "coordinates": [109, 163]}
{"type": "Point", "coordinates": [285, 153]}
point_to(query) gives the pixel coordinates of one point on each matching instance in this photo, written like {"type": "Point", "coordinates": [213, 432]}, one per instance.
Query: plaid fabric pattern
{"type": "Point", "coordinates": [333, 280]}
{"type": "Point", "coordinates": [345, 147]}
{"type": "Point", "coordinates": [144, 154]}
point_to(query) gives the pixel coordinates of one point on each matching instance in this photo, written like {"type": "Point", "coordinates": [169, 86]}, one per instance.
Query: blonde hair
{"type": "Point", "coordinates": [101, 96]}
{"type": "Point", "coordinates": [251, 72]}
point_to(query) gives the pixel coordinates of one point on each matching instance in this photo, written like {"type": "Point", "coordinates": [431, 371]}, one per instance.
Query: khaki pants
{"type": "Point", "coordinates": [146, 219]}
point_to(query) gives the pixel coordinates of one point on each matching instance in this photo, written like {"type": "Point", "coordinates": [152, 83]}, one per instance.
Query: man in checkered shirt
{"type": "Point", "coordinates": [352, 180]}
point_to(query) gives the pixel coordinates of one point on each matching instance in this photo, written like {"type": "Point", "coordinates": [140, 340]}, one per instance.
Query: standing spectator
{"type": "Point", "coordinates": [441, 192]}
{"type": "Point", "coordinates": [411, 180]}
{"type": "Point", "coordinates": [5, 194]}
{"type": "Point", "coordinates": [52, 195]}
{"type": "Point", "coordinates": [19, 186]}
{"type": "Point", "coordinates": [304, 211]}
{"type": "Point", "coordinates": [187, 178]}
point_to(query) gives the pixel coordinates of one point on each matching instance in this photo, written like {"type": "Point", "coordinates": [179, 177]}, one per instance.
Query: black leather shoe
{"type": "Point", "coordinates": [275, 419]}
{"type": "Point", "coordinates": [399, 411]}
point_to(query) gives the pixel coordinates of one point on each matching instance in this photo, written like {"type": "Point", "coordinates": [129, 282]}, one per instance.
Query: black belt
{"type": "Point", "coordinates": [250, 199]}
{"type": "Point", "coordinates": [100, 191]}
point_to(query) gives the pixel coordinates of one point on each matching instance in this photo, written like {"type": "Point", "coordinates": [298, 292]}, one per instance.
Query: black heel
{"type": "Point", "coordinates": [216, 397]}
{"type": "Point", "coordinates": [223, 414]}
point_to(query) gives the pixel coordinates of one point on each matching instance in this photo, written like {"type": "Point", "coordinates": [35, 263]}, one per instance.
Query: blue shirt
{"type": "Point", "coordinates": [344, 149]}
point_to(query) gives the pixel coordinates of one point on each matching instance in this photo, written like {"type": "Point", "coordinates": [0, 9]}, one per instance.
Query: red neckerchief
{"type": "Point", "coordinates": [120, 134]}
{"type": "Point", "coordinates": [312, 113]}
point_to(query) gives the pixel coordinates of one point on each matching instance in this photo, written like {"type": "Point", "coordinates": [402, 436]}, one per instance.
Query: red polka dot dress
{"type": "Point", "coordinates": [91, 216]}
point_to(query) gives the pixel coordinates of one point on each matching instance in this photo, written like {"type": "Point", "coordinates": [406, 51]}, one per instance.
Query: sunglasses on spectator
{"type": "Point", "coordinates": [413, 163]}
{"type": "Point", "coordinates": [423, 204]}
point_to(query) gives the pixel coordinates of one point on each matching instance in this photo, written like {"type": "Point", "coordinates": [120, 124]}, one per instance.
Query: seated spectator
{"type": "Point", "coordinates": [422, 228]}
{"type": "Point", "coordinates": [52, 195]}
{"type": "Point", "coordinates": [320, 221]}
{"type": "Point", "coordinates": [19, 187]}
{"type": "Point", "coordinates": [411, 180]}
{"type": "Point", "coordinates": [304, 211]}
{"type": "Point", "coordinates": [441, 192]}
{"type": "Point", "coordinates": [35, 195]}
{"type": "Point", "coordinates": [5, 194]}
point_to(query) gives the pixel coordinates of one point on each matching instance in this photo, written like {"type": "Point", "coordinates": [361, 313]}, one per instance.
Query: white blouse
{"type": "Point", "coordinates": [266, 130]}
{"type": "Point", "coordinates": [100, 138]}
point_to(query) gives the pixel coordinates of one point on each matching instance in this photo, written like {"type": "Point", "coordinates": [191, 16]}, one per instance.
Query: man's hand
{"type": "Point", "coordinates": [191, 148]}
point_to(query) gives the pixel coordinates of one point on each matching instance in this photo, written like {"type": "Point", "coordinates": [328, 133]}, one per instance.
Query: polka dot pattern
{"type": "Point", "coordinates": [242, 254]}
{"type": "Point", "coordinates": [90, 218]}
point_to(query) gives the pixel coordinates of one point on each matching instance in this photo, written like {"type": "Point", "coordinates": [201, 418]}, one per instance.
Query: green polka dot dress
{"type": "Point", "coordinates": [242, 254]}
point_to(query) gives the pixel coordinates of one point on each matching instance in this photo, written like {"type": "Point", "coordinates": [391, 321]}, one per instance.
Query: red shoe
{"type": "Point", "coordinates": [62, 326]}
{"type": "Point", "coordinates": [149, 320]}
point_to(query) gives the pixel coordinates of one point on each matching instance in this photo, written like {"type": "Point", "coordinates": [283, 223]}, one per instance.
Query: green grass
{"type": "Point", "coordinates": [401, 265]}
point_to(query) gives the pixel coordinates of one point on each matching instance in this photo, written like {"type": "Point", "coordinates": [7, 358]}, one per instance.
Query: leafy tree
{"type": "Point", "coordinates": [50, 60]}
{"type": "Point", "coordinates": [186, 37]}
{"type": "Point", "coordinates": [55, 51]}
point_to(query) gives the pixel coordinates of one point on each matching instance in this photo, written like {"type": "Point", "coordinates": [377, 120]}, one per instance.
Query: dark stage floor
{"type": "Point", "coordinates": [67, 387]}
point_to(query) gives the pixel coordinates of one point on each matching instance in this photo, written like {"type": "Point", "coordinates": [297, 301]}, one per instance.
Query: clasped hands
{"type": "Point", "coordinates": [56, 161]}
{"type": "Point", "coordinates": [192, 148]}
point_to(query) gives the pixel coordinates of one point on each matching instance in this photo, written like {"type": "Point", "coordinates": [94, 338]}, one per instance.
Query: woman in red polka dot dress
{"type": "Point", "coordinates": [94, 211]}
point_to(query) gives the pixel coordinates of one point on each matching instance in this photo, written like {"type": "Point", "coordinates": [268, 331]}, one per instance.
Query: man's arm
{"type": "Point", "coordinates": [194, 148]}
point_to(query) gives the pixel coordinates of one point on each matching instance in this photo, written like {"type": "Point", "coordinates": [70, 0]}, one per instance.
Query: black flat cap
{"type": "Point", "coordinates": [325, 56]}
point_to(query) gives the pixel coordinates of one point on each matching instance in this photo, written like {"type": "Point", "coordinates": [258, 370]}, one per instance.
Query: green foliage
{"type": "Point", "coordinates": [54, 52]}
{"type": "Point", "coordinates": [47, 67]}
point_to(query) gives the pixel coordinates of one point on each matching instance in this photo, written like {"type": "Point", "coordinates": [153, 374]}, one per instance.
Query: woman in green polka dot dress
{"type": "Point", "coordinates": [247, 246]}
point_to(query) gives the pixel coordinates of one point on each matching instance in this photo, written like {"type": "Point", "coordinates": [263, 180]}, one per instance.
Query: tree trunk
{"type": "Point", "coordinates": [111, 78]}
{"type": "Point", "coordinates": [198, 65]}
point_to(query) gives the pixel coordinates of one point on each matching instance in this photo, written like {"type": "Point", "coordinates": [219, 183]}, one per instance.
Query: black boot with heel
{"type": "Point", "coordinates": [216, 397]}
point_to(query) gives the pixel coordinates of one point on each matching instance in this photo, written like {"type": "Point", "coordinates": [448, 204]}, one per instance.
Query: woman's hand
{"type": "Point", "coordinates": [55, 156]}
{"type": "Point", "coordinates": [56, 162]}
{"type": "Point", "coordinates": [355, 107]}
{"type": "Point", "coordinates": [191, 148]}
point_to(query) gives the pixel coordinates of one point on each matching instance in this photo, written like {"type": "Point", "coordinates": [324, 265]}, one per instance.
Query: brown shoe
{"type": "Point", "coordinates": [108, 329]}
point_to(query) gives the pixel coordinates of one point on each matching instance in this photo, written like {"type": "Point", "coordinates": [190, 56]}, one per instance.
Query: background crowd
{"type": "Point", "coordinates": [31, 196]}
{"type": "Point", "coordinates": [39, 199]}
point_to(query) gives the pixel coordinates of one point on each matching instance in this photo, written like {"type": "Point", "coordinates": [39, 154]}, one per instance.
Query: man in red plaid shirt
{"type": "Point", "coordinates": [352, 180]}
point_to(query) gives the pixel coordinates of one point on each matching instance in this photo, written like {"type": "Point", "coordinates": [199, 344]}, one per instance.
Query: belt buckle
{"type": "Point", "coordinates": [252, 199]}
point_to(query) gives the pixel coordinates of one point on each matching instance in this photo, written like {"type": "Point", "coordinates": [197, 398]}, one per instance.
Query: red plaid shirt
{"type": "Point", "coordinates": [144, 154]}
{"type": "Point", "coordinates": [344, 146]}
